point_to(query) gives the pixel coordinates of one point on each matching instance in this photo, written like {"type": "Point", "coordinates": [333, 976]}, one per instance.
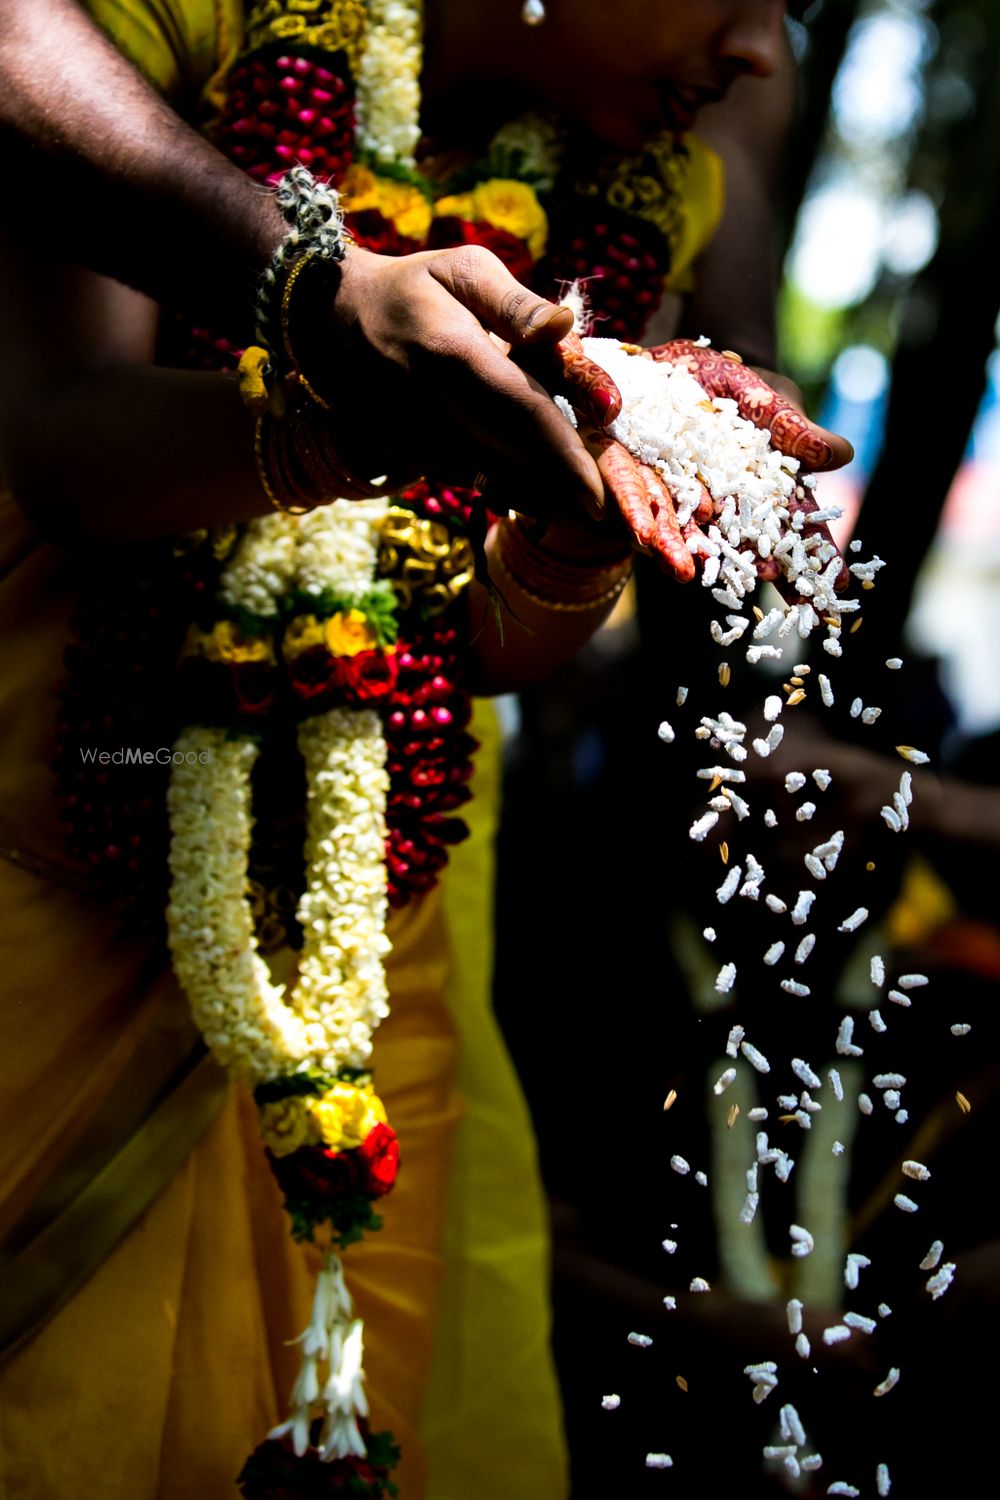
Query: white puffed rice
{"type": "Point", "coordinates": [906, 1204]}
{"type": "Point", "coordinates": [889, 1080]}
{"type": "Point", "coordinates": [754, 1058]}
{"type": "Point", "coordinates": [888, 1384]}
{"type": "Point", "coordinates": [825, 690]}
{"type": "Point", "coordinates": [725, 979]}
{"type": "Point", "coordinates": [894, 663]}
{"type": "Point", "coordinates": [724, 1080]}
{"type": "Point", "coordinates": [859, 1322]}
{"type": "Point", "coordinates": [939, 1283]}
{"type": "Point", "coordinates": [670, 1303]}
{"type": "Point", "coordinates": [853, 1265]}
{"type": "Point", "coordinates": [865, 1104]}
{"type": "Point", "coordinates": [854, 921]}
{"type": "Point", "coordinates": [805, 947]}
{"type": "Point", "coordinates": [877, 970]}
{"type": "Point", "coordinates": [916, 1170]}
{"type": "Point", "coordinates": [774, 953]}
{"type": "Point", "coordinates": [775, 904]}
{"type": "Point", "coordinates": [836, 1334]}
{"type": "Point", "coordinates": [802, 907]}
{"type": "Point", "coordinates": [916, 757]}
{"type": "Point", "coordinates": [876, 1022]}
{"type": "Point", "coordinates": [703, 826]}
{"type": "Point", "coordinates": [802, 1240]}
{"type": "Point", "coordinates": [640, 1340]}
{"type": "Point", "coordinates": [727, 890]}
{"type": "Point", "coordinates": [611, 1403]}
{"type": "Point", "coordinates": [666, 733]}
{"type": "Point", "coordinates": [804, 812]}
{"type": "Point", "coordinates": [869, 715]}
{"type": "Point", "coordinates": [699, 1284]}
{"type": "Point", "coordinates": [845, 1046]}
{"type": "Point", "coordinates": [805, 1074]}
{"type": "Point", "coordinates": [790, 1425]}
{"type": "Point", "coordinates": [794, 781]}
{"type": "Point", "coordinates": [701, 1179]}
{"type": "Point", "coordinates": [898, 998]}
{"type": "Point", "coordinates": [856, 708]}
{"type": "Point", "coordinates": [793, 1311]}
{"type": "Point", "coordinates": [961, 1028]}
{"type": "Point", "coordinates": [822, 778]}
{"type": "Point", "coordinates": [934, 1254]}
{"type": "Point", "coordinates": [815, 866]}
{"type": "Point", "coordinates": [838, 1088]}
{"type": "Point", "coordinates": [882, 1481]}
{"type": "Point", "coordinates": [659, 1461]}
{"type": "Point", "coordinates": [795, 987]}
{"type": "Point", "coordinates": [810, 1462]}
{"type": "Point", "coordinates": [757, 1114]}
{"type": "Point", "coordinates": [770, 818]}
{"type": "Point", "coordinates": [682, 693]}
{"type": "Point", "coordinates": [912, 981]}
{"type": "Point", "coordinates": [803, 1348]}
{"type": "Point", "coordinates": [841, 1487]}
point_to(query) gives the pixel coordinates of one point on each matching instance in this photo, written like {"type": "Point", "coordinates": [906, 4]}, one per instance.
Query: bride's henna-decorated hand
{"type": "Point", "coordinates": [641, 496]}
{"type": "Point", "coordinates": [726, 375]}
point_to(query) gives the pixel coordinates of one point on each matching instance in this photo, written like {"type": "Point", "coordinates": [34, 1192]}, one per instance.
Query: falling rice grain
{"type": "Point", "coordinates": [754, 1058]}
{"type": "Point", "coordinates": [939, 1283]}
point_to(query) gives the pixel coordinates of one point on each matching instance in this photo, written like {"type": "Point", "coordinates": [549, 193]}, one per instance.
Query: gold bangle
{"type": "Point", "coordinates": [590, 586]}
{"type": "Point", "coordinates": [265, 477]}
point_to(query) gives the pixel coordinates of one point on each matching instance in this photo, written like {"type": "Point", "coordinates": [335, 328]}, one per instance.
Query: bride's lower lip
{"type": "Point", "coordinates": [679, 111]}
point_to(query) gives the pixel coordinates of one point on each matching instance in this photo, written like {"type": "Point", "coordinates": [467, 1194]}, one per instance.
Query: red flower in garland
{"type": "Point", "coordinates": [379, 1156]}
{"type": "Point", "coordinates": [368, 675]}
{"type": "Point", "coordinates": [315, 672]}
{"type": "Point", "coordinates": [448, 231]}
{"type": "Point", "coordinates": [375, 232]}
{"type": "Point", "coordinates": [253, 688]}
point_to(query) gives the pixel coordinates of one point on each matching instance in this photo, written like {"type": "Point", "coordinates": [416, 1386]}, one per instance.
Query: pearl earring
{"type": "Point", "coordinates": [533, 12]}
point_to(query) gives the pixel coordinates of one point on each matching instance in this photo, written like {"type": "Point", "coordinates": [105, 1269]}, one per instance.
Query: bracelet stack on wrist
{"type": "Point", "coordinates": [554, 581]}
{"type": "Point", "coordinates": [297, 462]}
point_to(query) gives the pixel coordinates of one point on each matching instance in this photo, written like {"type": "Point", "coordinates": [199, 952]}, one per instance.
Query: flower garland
{"type": "Point", "coordinates": [339, 622]}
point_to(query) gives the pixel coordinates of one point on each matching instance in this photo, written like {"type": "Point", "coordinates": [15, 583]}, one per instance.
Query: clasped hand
{"type": "Point", "coordinates": [451, 367]}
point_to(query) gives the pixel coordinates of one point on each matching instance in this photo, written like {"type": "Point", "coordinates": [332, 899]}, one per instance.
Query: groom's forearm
{"type": "Point", "coordinates": [98, 163]}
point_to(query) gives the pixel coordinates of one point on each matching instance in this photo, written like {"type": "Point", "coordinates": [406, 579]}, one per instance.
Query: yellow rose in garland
{"type": "Point", "coordinates": [402, 203]}
{"type": "Point", "coordinates": [506, 204]}
{"type": "Point", "coordinates": [346, 1114]}
{"type": "Point", "coordinates": [348, 633]}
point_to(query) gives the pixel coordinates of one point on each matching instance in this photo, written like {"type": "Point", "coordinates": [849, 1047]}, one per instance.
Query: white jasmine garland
{"type": "Point", "coordinates": [250, 1023]}
{"type": "Point", "coordinates": [388, 82]}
